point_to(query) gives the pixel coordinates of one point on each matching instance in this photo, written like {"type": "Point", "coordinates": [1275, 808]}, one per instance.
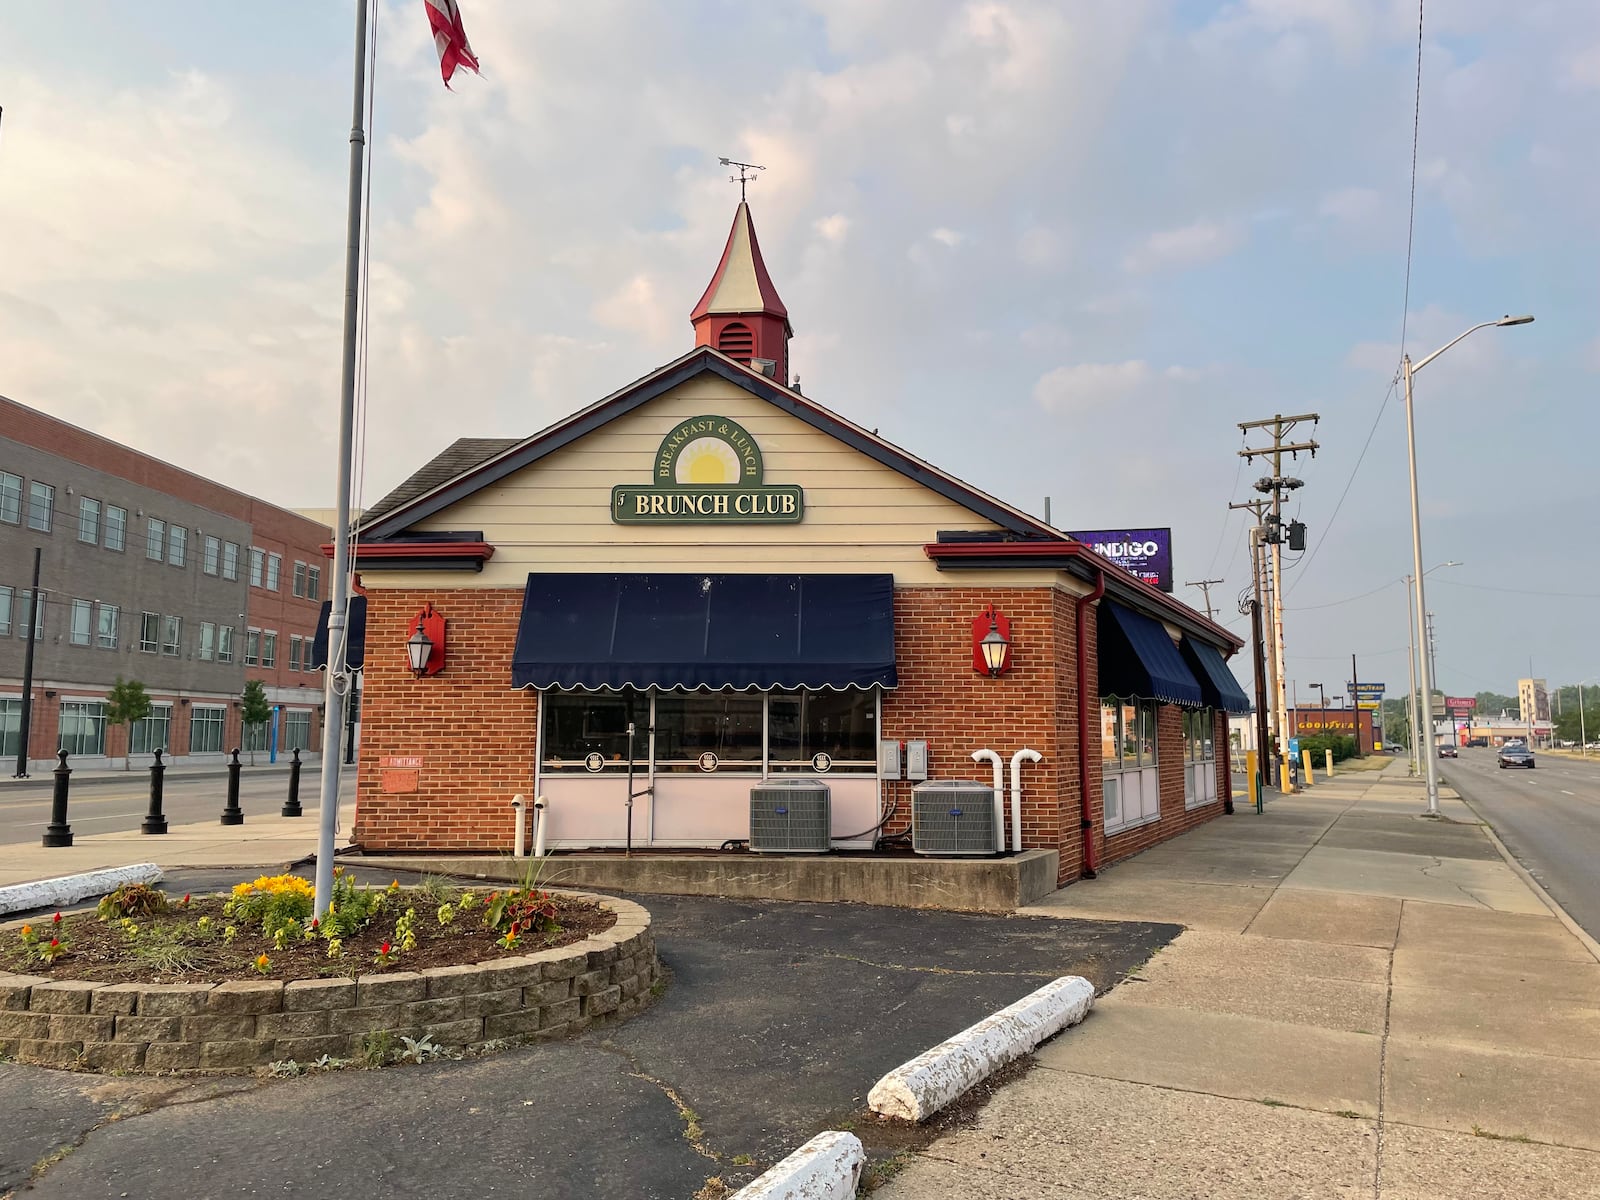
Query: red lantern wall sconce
{"type": "Point", "coordinates": [425, 646]}
{"type": "Point", "coordinates": [991, 643]}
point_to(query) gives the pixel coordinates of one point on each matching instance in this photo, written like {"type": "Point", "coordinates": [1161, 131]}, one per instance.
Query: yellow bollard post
{"type": "Point", "coordinates": [1329, 753]}
{"type": "Point", "coordinates": [1254, 778]}
{"type": "Point", "coordinates": [1305, 757]}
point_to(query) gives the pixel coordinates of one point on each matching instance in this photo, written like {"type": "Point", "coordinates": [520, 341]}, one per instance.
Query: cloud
{"type": "Point", "coordinates": [1583, 69]}
{"type": "Point", "coordinates": [1084, 387]}
{"type": "Point", "coordinates": [1351, 204]}
{"type": "Point", "coordinates": [1189, 246]}
{"type": "Point", "coordinates": [947, 237]}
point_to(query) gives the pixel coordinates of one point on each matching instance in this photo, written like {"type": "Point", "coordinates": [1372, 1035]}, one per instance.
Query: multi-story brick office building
{"type": "Point", "coordinates": [152, 573]}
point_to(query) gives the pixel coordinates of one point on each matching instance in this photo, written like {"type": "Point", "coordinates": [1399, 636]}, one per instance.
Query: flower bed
{"type": "Point", "coordinates": [83, 1003]}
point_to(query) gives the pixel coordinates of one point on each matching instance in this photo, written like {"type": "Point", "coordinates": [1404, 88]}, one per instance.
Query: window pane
{"type": "Point", "coordinates": [254, 737]}
{"type": "Point", "coordinates": [6, 595]}
{"type": "Point", "coordinates": [205, 730]}
{"type": "Point", "coordinates": [230, 561]}
{"type": "Point", "coordinates": [106, 631]}
{"type": "Point", "coordinates": [296, 734]}
{"type": "Point", "coordinates": [314, 583]}
{"type": "Point", "coordinates": [88, 520]}
{"type": "Point", "coordinates": [727, 724]}
{"type": "Point", "coordinates": [299, 579]}
{"type": "Point", "coordinates": [177, 545]}
{"type": "Point", "coordinates": [81, 623]}
{"type": "Point", "coordinates": [1130, 735]}
{"type": "Point", "coordinates": [10, 728]}
{"type": "Point", "coordinates": [10, 498]}
{"type": "Point", "coordinates": [258, 559]}
{"type": "Point", "coordinates": [252, 647]}
{"type": "Point", "coordinates": [225, 643]}
{"type": "Point", "coordinates": [842, 725]}
{"type": "Point", "coordinates": [208, 636]}
{"type": "Point", "coordinates": [172, 642]}
{"type": "Point", "coordinates": [1110, 736]}
{"type": "Point", "coordinates": [116, 527]}
{"type": "Point", "coordinates": [153, 732]}
{"type": "Point", "coordinates": [577, 724]}
{"type": "Point", "coordinates": [149, 632]}
{"type": "Point", "coordinates": [274, 563]}
{"type": "Point", "coordinates": [294, 654]}
{"type": "Point", "coordinates": [25, 607]}
{"type": "Point", "coordinates": [41, 506]}
{"type": "Point", "coordinates": [211, 554]}
{"type": "Point", "coordinates": [83, 728]}
{"type": "Point", "coordinates": [155, 538]}
{"type": "Point", "coordinates": [269, 649]}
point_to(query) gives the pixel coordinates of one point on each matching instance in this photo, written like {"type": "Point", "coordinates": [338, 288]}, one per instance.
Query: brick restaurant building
{"type": "Point", "coordinates": [758, 588]}
{"type": "Point", "coordinates": [153, 573]}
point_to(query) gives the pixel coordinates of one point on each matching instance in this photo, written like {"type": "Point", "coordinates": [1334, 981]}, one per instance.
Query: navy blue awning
{"type": "Point", "coordinates": [1217, 683]}
{"type": "Point", "coordinates": [1138, 658]}
{"type": "Point", "coordinates": [356, 635]}
{"type": "Point", "coordinates": [705, 631]}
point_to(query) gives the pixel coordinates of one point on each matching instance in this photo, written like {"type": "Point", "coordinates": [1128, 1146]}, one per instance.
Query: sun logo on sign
{"type": "Point", "coordinates": [707, 460]}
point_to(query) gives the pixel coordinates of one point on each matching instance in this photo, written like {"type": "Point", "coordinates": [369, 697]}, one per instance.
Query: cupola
{"type": "Point", "coordinates": [740, 313]}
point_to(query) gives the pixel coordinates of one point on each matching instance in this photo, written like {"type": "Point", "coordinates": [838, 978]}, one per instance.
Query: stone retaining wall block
{"type": "Point", "coordinates": [453, 981]}
{"type": "Point", "coordinates": [361, 1020]}
{"type": "Point", "coordinates": [216, 1028]}
{"type": "Point", "coordinates": [301, 995]}
{"type": "Point", "coordinates": [47, 1053]}
{"type": "Point", "coordinates": [81, 1027]}
{"type": "Point", "coordinates": [24, 1024]}
{"type": "Point", "coordinates": [113, 1056]}
{"type": "Point", "coordinates": [246, 996]}
{"type": "Point", "coordinates": [14, 990]}
{"type": "Point", "coordinates": [591, 982]}
{"type": "Point", "coordinates": [231, 1054]}
{"type": "Point", "coordinates": [451, 1034]}
{"type": "Point", "coordinates": [431, 1012]}
{"type": "Point", "coordinates": [600, 1003]}
{"type": "Point", "coordinates": [115, 999]}
{"type": "Point", "coordinates": [172, 999]}
{"type": "Point", "coordinates": [311, 1023]}
{"type": "Point", "coordinates": [513, 1024]}
{"type": "Point", "coordinates": [309, 1049]}
{"type": "Point", "coordinates": [172, 1056]}
{"type": "Point", "coordinates": [62, 996]}
{"type": "Point", "coordinates": [488, 1004]}
{"type": "Point", "coordinates": [398, 988]}
{"type": "Point", "coordinates": [147, 1029]}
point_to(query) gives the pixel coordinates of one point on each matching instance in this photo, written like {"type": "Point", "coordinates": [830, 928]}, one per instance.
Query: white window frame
{"type": "Point", "coordinates": [269, 649]}
{"type": "Point", "coordinates": [299, 578]}
{"type": "Point", "coordinates": [1131, 784]}
{"type": "Point", "coordinates": [224, 643]}
{"type": "Point", "coordinates": [11, 497]}
{"type": "Point", "coordinates": [41, 499]}
{"type": "Point", "coordinates": [313, 582]}
{"type": "Point", "coordinates": [274, 571]}
{"type": "Point", "coordinates": [8, 600]}
{"type": "Point", "coordinates": [28, 608]}
{"type": "Point", "coordinates": [208, 640]}
{"type": "Point", "coordinates": [295, 656]}
{"type": "Point", "coordinates": [208, 717]}
{"type": "Point", "coordinates": [177, 546]}
{"type": "Point", "coordinates": [140, 740]}
{"type": "Point", "coordinates": [295, 731]}
{"type": "Point", "coordinates": [94, 711]}
{"type": "Point", "coordinates": [155, 539]}
{"type": "Point", "coordinates": [121, 525]}
{"type": "Point", "coordinates": [89, 520]}
{"type": "Point", "coordinates": [80, 623]}
{"type": "Point", "coordinates": [230, 560]}
{"type": "Point", "coordinates": [252, 647]}
{"type": "Point", "coordinates": [172, 636]}
{"type": "Point", "coordinates": [258, 564]}
{"type": "Point", "coordinates": [1199, 757]}
{"type": "Point", "coordinates": [210, 554]}
{"type": "Point", "coordinates": [105, 630]}
{"type": "Point", "coordinates": [147, 643]}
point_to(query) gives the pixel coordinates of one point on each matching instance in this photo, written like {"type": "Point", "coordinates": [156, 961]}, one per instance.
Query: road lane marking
{"type": "Point", "coordinates": [1564, 792]}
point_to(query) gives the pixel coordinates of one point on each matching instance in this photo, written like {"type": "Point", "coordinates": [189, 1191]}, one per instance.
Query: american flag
{"type": "Point", "coordinates": [449, 36]}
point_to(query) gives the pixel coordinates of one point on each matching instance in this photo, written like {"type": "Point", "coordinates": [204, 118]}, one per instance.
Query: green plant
{"type": "Point", "coordinates": [29, 936]}
{"type": "Point", "coordinates": [263, 964]}
{"type": "Point", "coordinates": [335, 947]}
{"type": "Point", "coordinates": [405, 930]}
{"type": "Point", "coordinates": [419, 1050]}
{"type": "Point", "coordinates": [384, 956]}
{"type": "Point", "coordinates": [127, 703]}
{"type": "Point", "coordinates": [350, 908]}
{"type": "Point", "coordinates": [445, 915]}
{"type": "Point", "coordinates": [436, 889]}
{"type": "Point", "coordinates": [376, 1048]}
{"type": "Point", "coordinates": [254, 709]}
{"type": "Point", "coordinates": [132, 900]}
{"type": "Point", "coordinates": [286, 1068]}
{"type": "Point", "coordinates": [521, 911]}
{"type": "Point", "coordinates": [276, 901]}
{"type": "Point", "coordinates": [167, 951]}
{"type": "Point", "coordinates": [52, 950]}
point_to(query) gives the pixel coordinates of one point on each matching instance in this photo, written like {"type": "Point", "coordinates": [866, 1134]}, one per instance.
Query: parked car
{"type": "Point", "coordinates": [1448, 751]}
{"type": "Point", "coordinates": [1516, 754]}
{"type": "Point", "coordinates": [1479, 742]}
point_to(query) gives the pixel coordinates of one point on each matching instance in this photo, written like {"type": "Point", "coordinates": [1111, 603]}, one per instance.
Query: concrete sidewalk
{"type": "Point", "coordinates": [1365, 1003]}
{"type": "Point", "coordinates": [262, 841]}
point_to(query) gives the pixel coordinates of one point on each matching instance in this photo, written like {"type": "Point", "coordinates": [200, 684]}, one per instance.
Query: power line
{"type": "Point", "coordinates": [1347, 600]}
{"type": "Point", "coordinates": [1485, 587]}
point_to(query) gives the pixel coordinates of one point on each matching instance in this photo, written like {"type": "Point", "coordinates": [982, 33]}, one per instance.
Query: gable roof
{"type": "Point", "coordinates": [437, 486]}
{"type": "Point", "coordinates": [461, 455]}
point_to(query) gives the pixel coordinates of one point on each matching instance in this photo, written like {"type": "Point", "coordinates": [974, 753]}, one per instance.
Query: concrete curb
{"type": "Point", "coordinates": [916, 1090]}
{"type": "Point", "coordinates": [68, 889]}
{"type": "Point", "coordinates": [1537, 888]}
{"type": "Point", "coordinates": [828, 1167]}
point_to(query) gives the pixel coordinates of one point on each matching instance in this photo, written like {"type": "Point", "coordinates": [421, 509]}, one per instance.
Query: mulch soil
{"type": "Point", "coordinates": [100, 952]}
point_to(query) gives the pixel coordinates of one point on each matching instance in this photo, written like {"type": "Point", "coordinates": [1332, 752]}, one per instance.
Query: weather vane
{"type": "Point", "coordinates": [744, 176]}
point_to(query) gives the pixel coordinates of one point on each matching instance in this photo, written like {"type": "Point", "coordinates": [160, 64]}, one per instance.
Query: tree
{"type": "Point", "coordinates": [255, 709]}
{"type": "Point", "coordinates": [1492, 704]}
{"type": "Point", "coordinates": [1397, 723]}
{"type": "Point", "coordinates": [127, 703]}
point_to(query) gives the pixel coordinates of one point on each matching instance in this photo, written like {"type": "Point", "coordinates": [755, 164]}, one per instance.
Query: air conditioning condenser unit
{"type": "Point", "coordinates": [790, 816]}
{"type": "Point", "coordinates": [954, 817]}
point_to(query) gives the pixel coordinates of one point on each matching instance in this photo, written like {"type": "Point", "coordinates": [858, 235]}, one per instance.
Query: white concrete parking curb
{"type": "Point", "coordinates": [916, 1090]}
{"type": "Point", "coordinates": [68, 889]}
{"type": "Point", "coordinates": [828, 1167]}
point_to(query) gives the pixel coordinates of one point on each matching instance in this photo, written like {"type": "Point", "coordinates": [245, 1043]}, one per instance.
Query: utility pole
{"type": "Point", "coordinates": [1205, 586]}
{"type": "Point", "coordinates": [1266, 675]}
{"type": "Point", "coordinates": [1276, 485]}
{"type": "Point", "coordinates": [27, 670]}
{"type": "Point", "coordinates": [1355, 699]}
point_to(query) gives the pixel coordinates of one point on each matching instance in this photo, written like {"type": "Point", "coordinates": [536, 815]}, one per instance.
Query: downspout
{"type": "Point", "coordinates": [989, 756]}
{"type": "Point", "coordinates": [1087, 820]}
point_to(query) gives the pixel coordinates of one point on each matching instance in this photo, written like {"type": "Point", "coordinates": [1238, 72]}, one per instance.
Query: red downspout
{"type": "Point", "coordinates": [1083, 602]}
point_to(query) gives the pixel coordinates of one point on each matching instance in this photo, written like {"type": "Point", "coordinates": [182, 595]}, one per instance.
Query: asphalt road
{"type": "Point", "coordinates": [1548, 817]}
{"type": "Point", "coordinates": [99, 806]}
{"type": "Point", "coordinates": [778, 1019]}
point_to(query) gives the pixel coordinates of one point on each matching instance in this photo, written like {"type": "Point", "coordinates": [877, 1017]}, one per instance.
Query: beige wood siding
{"type": "Point", "coordinates": [860, 516]}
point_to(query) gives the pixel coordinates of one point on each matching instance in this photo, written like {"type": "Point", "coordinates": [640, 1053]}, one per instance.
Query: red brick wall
{"type": "Point", "coordinates": [475, 734]}
{"type": "Point", "coordinates": [1175, 818]}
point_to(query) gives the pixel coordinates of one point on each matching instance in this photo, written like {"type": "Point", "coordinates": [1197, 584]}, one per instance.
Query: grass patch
{"type": "Point", "coordinates": [1479, 1131]}
{"type": "Point", "coordinates": [1271, 1103]}
{"type": "Point", "coordinates": [882, 1172]}
{"type": "Point", "coordinates": [1349, 1114]}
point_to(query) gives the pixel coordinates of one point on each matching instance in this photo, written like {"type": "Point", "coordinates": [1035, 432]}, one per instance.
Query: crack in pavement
{"type": "Point", "coordinates": [883, 966]}
{"type": "Point", "coordinates": [692, 1131]}
{"type": "Point", "coordinates": [1438, 863]}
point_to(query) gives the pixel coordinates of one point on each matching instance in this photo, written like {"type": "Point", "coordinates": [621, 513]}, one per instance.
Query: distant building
{"type": "Point", "coordinates": [153, 573]}
{"type": "Point", "coordinates": [1533, 700]}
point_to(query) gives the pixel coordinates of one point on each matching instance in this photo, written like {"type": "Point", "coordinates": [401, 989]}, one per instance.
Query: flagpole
{"type": "Point", "coordinates": [338, 678]}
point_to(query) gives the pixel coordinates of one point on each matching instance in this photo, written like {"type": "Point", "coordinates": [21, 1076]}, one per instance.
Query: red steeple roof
{"type": "Point", "coordinates": [741, 283]}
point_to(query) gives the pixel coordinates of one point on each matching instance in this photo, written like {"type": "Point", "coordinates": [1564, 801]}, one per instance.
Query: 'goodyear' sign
{"type": "Point", "coordinates": [707, 471]}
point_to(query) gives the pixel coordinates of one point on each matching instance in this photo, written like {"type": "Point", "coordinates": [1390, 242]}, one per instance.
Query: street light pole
{"type": "Point", "coordinates": [1407, 370]}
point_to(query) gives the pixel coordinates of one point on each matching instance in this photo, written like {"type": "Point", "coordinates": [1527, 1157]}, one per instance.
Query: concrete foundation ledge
{"type": "Point", "coordinates": [916, 1090]}
{"type": "Point", "coordinates": [69, 889]}
{"type": "Point", "coordinates": [960, 884]}
{"type": "Point", "coordinates": [828, 1167]}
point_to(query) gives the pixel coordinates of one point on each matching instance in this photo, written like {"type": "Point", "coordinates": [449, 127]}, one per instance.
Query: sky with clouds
{"type": "Point", "coordinates": [1060, 249]}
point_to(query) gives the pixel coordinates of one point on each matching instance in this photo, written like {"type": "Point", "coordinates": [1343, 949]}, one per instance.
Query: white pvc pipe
{"type": "Point", "coordinates": [521, 842]}
{"type": "Point", "coordinates": [538, 826]}
{"type": "Point", "coordinates": [1017, 760]}
{"type": "Point", "coordinates": [989, 756]}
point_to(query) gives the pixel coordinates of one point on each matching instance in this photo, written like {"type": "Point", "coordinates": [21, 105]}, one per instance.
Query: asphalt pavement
{"type": "Point", "coordinates": [778, 1019]}
{"type": "Point", "coordinates": [107, 804]}
{"type": "Point", "coordinates": [1549, 818]}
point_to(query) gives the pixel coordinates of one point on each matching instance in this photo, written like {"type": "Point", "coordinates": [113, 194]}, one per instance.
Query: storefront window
{"type": "Point", "coordinates": [841, 725]}
{"type": "Point", "coordinates": [575, 725]}
{"type": "Point", "coordinates": [205, 729]}
{"type": "Point", "coordinates": [1127, 734]}
{"type": "Point", "coordinates": [1198, 725]}
{"type": "Point", "coordinates": [691, 725]}
{"type": "Point", "coordinates": [151, 733]}
{"type": "Point", "coordinates": [83, 727]}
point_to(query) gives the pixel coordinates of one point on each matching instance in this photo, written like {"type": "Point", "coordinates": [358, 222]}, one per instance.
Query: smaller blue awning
{"type": "Point", "coordinates": [1217, 683]}
{"type": "Point", "coordinates": [693, 631]}
{"type": "Point", "coordinates": [355, 652]}
{"type": "Point", "coordinates": [1138, 658]}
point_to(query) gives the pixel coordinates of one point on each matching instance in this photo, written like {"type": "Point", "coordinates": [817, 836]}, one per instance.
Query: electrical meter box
{"type": "Point", "coordinates": [889, 759]}
{"type": "Point", "coordinates": [917, 760]}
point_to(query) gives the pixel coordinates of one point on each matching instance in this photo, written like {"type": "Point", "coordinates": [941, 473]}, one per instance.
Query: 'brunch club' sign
{"type": "Point", "coordinates": [707, 471]}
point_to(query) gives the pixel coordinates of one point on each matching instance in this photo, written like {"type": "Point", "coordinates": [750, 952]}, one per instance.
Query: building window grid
{"type": "Point", "coordinates": [224, 643]}
{"type": "Point", "coordinates": [211, 555]}
{"type": "Point", "coordinates": [258, 562]}
{"type": "Point", "coordinates": [313, 583]}
{"type": "Point", "coordinates": [177, 546]}
{"type": "Point", "coordinates": [299, 578]}
{"type": "Point", "coordinates": [81, 627]}
{"type": "Point", "coordinates": [106, 626]}
{"type": "Point", "coordinates": [7, 598]}
{"type": "Point", "coordinates": [205, 729]}
{"type": "Point", "coordinates": [155, 539]}
{"type": "Point", "coordinates": [172, 637]}
{"type": "Point", "coordinates": [10, 727]}
{"type": "Point", "coordinates": [296, 733]}
{"type": "Point", "coordinates": [294, 652]}
{"type": "Point", "coordinates": [149, 632]}
{"type": "Point", "coordinates": [116, 528]}
{"type": "Point", "coordinates": [10, 498]}
{"type": "Point", "coordinates": [274, 567]}
{"type": "Point", "coordinates": [208, 638]}
{"type": "Point", "coordinates": [269, 649]}
{"type": "Point", "coordinates": [152, 733]}
{"type": "Point", "coordinates": [230, 560]}
{"type": "Point", "coordinates": [252, 647]}
{"type": "Point", "coordinates": [88, 520]}
{"type": "Point", "coordinates": [83, 727]}
{"type": "Point", "coordinates": [41, 506]}
{"type": "Point", "coordinates": [1128, 749]}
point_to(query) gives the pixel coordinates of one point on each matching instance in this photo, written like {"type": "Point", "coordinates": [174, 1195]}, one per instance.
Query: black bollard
{"type": "Point", "coordinates": [291, 807]}
{"type": "Point", "coordinates": [155, 821]}
{"type": "Point", "coordinates": [58, 832]}
{"type": "Point", "coordinates": [232, 814]}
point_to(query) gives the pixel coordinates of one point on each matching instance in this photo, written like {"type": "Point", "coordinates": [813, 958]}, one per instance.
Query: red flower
{"type": "Point", "coordinates": [56, 920]}
{"type": "Point", "coordinates": [384, 949]}
{"type": "Point", "coordinates": [54, 942]}
{"type": "Point", "coordinates": [315, 924]}
{"type": "Point", "coordinates": [186, 899]}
